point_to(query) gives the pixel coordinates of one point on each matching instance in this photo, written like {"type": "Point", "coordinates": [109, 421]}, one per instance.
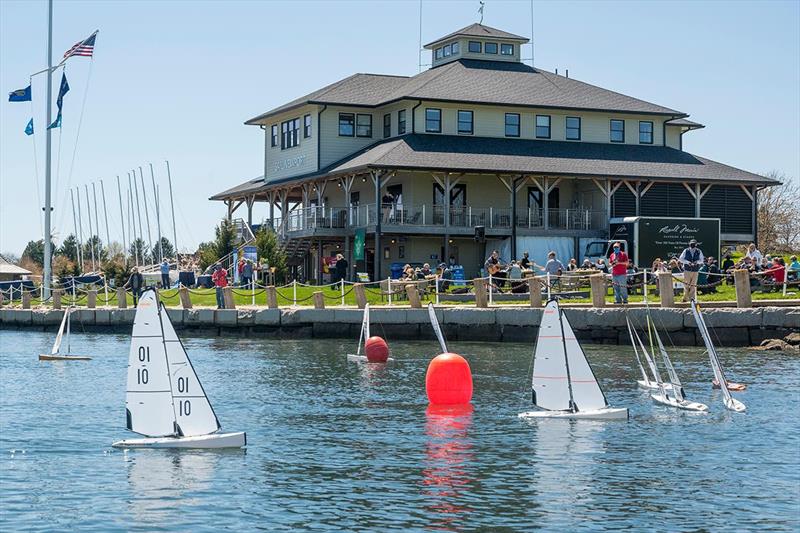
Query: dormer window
{"type": "Point", "coordinates": [438, 53]}
{"type": "Point", "coordinates": [475, 47]}
{"type": "Point", "coordinates": [491, 48]}
{"type": "Point", "coordinates": [455, 47]}
{"type": "Point", "coordinates": [446, 51]}
{"type": "Point", "coordinates": [507, 49]}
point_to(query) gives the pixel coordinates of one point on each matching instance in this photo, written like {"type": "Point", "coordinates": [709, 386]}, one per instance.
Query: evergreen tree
{"type": "Point", "coordinates": [138, 249]}
{"type": "Point", "coordinates": [269, 250]}
{"type": "Point", "coordinates": [69, 248]}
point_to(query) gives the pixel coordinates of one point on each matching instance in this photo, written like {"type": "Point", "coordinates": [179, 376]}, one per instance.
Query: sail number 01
{"type": "Point", "coordinates": [142, 375]}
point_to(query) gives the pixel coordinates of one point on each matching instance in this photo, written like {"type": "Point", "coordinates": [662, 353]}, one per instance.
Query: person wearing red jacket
{"type": "Point", "coordinates": [619, 269]}
{"type": "Point", "coordinates": [220, 279]}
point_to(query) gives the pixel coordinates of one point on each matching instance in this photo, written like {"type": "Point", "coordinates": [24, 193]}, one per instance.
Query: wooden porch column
{"type": "Point", "coordinates": [250, 201]}
{"type": "Point", "coordinates": [379, 179]}
{"type": "Point", "coordinates": [347, 185]}
{"type": "Point", "coordinates": [271, 199]}
{"type": "Point", "coordinates": [447, 185]}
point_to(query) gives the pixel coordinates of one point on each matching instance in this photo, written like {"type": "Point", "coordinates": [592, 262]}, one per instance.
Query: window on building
{"type": "Point", "coordinates": [535, 198]}
{"type": "Point", "coordinates": [465, 122]}
{"type": "Point", "coordinates": [458, 195]}
{"type": "Point", "coordinates": [573, 128]}
{"type": "Point", "coordinates": [438, 53]}
{"type": "Point", "coordinates": [274, 136]}
{"type": "Point", "coordinates": [490, 48]}
{"type": "Point", "coordinates": [347, 124]}
{"type": "Point", "coordinates": [455, 47]}
{"type": "Point", "coordinates": [307, 126]}
{"type": "Point", "coordinates": [355, 198]}
{"type": "Point", "coordinates": [401, 122]}
{"type": "Point", "coordinates": [433, 120]}
{"type": "Point", "coordinates": [363, 125]}
{"type": "Point", "coordinates": [474, 47]}
{"type": "Point", "coordinates": [290, 133]}
{"type": "Point", "coordinates": [446, 51]}
{"type": "Point", "coordinates": [542, 126]}
{"type": "Point", "coordinates": [645, 132]}
{"type": "Point", "coordinates": [387, 125]}
{"type": "Point", "coordinates": [507, 49]}
{"type": "Point", "coordinates": [512, 124]}
{"type": "Point", "coordinates": [617, 131]}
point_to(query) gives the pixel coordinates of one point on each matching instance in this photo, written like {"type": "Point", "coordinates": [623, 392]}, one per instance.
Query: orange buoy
{"type": "Point", "coordinates": [448, 380]}
{"type": "Point", "coordinates": [376, 350]}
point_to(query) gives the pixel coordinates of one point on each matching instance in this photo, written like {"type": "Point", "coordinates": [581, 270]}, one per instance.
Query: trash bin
{"type": "Point", "coordinates": [396, 270]}
{"type": "Point", "coordinates": [458, 275]}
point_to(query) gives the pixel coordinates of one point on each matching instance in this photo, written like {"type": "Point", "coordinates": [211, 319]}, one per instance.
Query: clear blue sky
{"type": "Point", "coordinates": [176, 80]}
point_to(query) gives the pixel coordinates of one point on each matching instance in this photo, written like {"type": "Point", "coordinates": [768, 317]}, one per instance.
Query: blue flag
{"type": "Point", "coordinates": [20, 95]}
{"type": "Point", "coordinates": [29, 128]}
{"type": "Point", "coordinates": [56, 123]}
{"type": "Point", "coordinates": [62, 91]}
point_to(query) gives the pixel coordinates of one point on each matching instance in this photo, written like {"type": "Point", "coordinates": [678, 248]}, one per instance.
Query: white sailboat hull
{"type": "Point", "coordinates": [605, 413]}
{"type": "Point", "coordinates": [214, 440]}
{"type": "Point", "coordinates": [652, 385]}
{"type": "Point", "coordinates": [734, 405]}
{"type": "Point", "coordinates": [363, 359]}
{"type": "Point", "coordinates": [686, 405]}
{"type": "Point", "coordinates": [50, 357]}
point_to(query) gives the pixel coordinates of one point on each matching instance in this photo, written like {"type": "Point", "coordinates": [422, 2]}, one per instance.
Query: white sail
{"type": "Point", "coordinates": [436, 328]}
{"type": "Point", "coordinates": [586, 392]}
{"type": "Point", "coordinates": [550, 376]}
{"type": "Point", "coordinates": [677, 386]}
{"type": "Point", "coordinates": [729, 401]}
{"type": "Point", "coordinates": [149, 405]}
{"type": "Point", "coordinates": [364, 335]}
{"type": "Point", "coordinates": [60, 335]}
{"type": "Point", "coordinates": [193, 411]}
{"type": "Point", "coordinates": [645, 378]}
{"type": "Point", "coordinates": [649, 359]}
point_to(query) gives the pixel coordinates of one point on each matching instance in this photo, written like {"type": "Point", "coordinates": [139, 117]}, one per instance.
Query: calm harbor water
{"type": "Point", "coordinates": [339, 446]}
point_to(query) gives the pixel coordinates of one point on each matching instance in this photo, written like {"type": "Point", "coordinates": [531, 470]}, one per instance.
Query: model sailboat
{"type": "Point", "coordinates": [670, 394]}
{"type": "Point", "coordinates": [719, 375]}
{"type": "Point", "coordinates": [165, 400]}
{"type": "Point", "coordinates": [369, 344]}
{"type": "Point", "coordinates": [564, 385]}
{"type": "Point", "coordinates": [64, 329]}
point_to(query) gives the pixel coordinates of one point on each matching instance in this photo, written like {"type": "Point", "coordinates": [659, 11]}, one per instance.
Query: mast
{"type": "Point", "coordinates": [105, 215]}
{"type": "Point", "coordinates": [96, 220]}
{"type": "Point", "coordinates": [74, 223]}
{"type": "Point", "coordinates": [138, 211]}
{"type": "Point", "coordinates": [572, 405]}
{"type": "Point", "coordinates": [91, 235]}
{"type": "Point", "coordinates": [122, 221]}
{"type": "Point", "coordinates": [146, 213]}
{"type": "Point", "coordinates": [80, 227]}
{"type": "Point", "coordinates": [47, 273]}
{"type": "Point", "coordinates": [172, 206]}
{"type": "Point", "coordinates": [158, 215]}
{"type": "Point", "coordinates": [132, 224]}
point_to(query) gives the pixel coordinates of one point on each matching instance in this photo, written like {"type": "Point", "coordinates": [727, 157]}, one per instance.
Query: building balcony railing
{"type": "Point", "coordinates": [402, 216]}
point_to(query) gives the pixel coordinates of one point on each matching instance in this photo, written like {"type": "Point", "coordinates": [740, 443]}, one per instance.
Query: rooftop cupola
{"type": "Point", "coordinates": [477, 41]}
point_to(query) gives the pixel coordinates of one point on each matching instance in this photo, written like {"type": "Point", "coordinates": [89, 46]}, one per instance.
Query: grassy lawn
{"type": "Point", "coordinates": [333, 297]}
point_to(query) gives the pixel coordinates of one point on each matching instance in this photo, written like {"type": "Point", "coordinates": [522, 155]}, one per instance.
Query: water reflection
{"type": "Point", "coordinates": [448, 458]}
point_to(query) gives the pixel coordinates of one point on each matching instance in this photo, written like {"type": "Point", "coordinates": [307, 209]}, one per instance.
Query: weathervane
{"type": "Point", "coordinates": [480, 10]}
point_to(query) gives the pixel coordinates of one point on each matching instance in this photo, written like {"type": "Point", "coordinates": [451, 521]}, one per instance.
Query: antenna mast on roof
{"type": "Point", "coordinates": [480, 10]}
{"type": "Point", "coordinates": [419, 49]}
{"type": "Point", "coordinates": [531, 33]}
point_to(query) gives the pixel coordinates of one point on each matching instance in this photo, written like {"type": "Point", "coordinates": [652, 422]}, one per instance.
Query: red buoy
{"type": "Point", "coordinates": [449, 380]}
{"type": "Point", "coordinates": [376, 350]}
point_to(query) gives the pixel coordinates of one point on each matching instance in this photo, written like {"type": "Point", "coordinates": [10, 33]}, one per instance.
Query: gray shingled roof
{"type": "Point", "coordinates": [477, 82]}
{"type": "Point", "coordinates": [480, 31]}
{"type": "Point", "coordinates": [686, 123]}
{"type": "Point", "coordinates": [521, 156]}
{"type": "Point", "coordinates": [248, 187]}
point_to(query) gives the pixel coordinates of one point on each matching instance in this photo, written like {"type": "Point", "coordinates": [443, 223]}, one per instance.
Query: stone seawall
{"type": "Point", "coordinates": [735, 327]}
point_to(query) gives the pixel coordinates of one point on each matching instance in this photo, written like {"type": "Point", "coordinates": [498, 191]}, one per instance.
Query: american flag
{"type": "Point", "coordinates": [83, 48]}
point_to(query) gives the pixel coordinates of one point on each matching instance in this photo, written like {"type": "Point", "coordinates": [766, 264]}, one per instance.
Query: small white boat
{"type": "Point", "coordinates": [362, 340]}
{"type": "Point", "coordinates": [644, 383]}
{"type": "Point", "coordinates": [729, 401]}
{"type": "Point", "coordinates": [669, 394]}
{"type": "Point", "coordinates": [564, 385]}
{"type": "Point", "coordinates": [65, 327]}
{"type": "Point", "coordinates": [165, 401]}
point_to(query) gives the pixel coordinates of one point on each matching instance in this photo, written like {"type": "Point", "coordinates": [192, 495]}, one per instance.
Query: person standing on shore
{"type": "Point", "coordinates": [619, 271]}
{"type": "Point", "coordinates": [692, 259]}
{"type": "Point", "coordinates": [135, 283]}
{"type": "Point", "coordinates": [220, 279]}
{"type": "Point", "coordinates": [164, 274]}
{"type": "Point", "coordinates": [339, 270]}
{"type": "Point", "coordinates": [247, 274]}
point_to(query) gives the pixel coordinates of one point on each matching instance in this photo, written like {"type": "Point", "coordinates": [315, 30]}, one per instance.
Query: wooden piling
{"type": "Point", "coordinates": [597, 284]}
{"type": "Point", "coordinates": [122, 298]}
{"type": "Point", "coordinates": [535, 292]}
{"type": "Point", "coordinates": [665, 289]}
{"type": "Point", "coordinates": [481, 296]}
{"type": "Point", "coordinates": [186, 300]}
{"type": "Point", "coordinates": [272, 297]}
{"type": "Point", "coordinates": [361, 295]}
{"type": "Point", "coordinates": [741, 281]}
{"type": "Point", "coordinates": [319, 300]}
{"type": "Point", "coordinates": [26, 299]}
{"type": "Point", "coordinates": [91, 299]}
{"type": "Point", "coordinates": [227, 296]}
{"type": "Point", "coordinates": [57, 295]}
{"type": "Point", "coordinates": [413, 296]}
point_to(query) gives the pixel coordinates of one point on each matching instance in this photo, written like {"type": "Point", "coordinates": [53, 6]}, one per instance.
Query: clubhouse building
{"type": "Point", "coordinates": [411, 165]}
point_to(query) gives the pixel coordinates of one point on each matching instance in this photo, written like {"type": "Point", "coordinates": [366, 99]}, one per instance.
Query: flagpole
{"type": "Point", "coordinates": [146, 214]}
{"type": "Point", "coordinates": [47, 272]}
{"type": "Point", "coordinates": [105, 215]}
{"type": "Point", "coordinates": [158, 215]}
{"type": "Point", "coordinates": [122, 221]}
{"type": "Point", "coordinates": [174, 230]}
